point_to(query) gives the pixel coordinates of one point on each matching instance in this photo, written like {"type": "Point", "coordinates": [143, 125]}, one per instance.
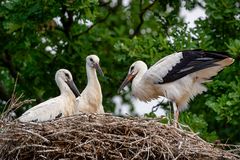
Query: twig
{"type": "Point", "coordinates": [49, 150]}
{"type": "Point", "coordinates": [82, 144]}
{"type": "Point", "coordinates": [141, 151]}
{"type": "Point", "coordinates": [37, 135]}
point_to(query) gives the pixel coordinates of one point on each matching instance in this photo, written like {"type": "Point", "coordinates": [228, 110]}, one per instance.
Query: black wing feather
{"type": "Point", "coordinates": [193, 61]}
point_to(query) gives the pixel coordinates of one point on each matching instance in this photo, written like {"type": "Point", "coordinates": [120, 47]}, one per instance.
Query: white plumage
{"type": "Point", "coordinates": [90, 100]}
{"type": "Point", "coordinates": [63, 105]}
{"type": "Point", "coordinates": [178, 77]}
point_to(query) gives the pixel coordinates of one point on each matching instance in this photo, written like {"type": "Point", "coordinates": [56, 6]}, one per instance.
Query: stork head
{"type": "Point", "coordinates": [134, 69]}
{"type": "Point", "coordinates": [65, 76]}
{"type": "Point", "coordinates": [93, 62]}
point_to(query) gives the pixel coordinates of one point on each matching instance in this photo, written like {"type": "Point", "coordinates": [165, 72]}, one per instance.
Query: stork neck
{"type": "Point", "coordinates": [91, 76]}
{"type": "Point", "coordinates": [64, 88]}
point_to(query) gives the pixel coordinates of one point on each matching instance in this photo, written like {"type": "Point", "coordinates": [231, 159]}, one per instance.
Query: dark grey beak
{"type": "Point", "coordinates": [98, 68]}
{"type": "Point", "coordinates": [73, 87]}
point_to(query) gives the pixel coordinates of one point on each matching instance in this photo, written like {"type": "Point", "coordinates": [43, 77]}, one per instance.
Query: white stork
{"type": "Point", "coordinates": [90, 100]}
{"type": "Point", "coordinates": [178, 77]}
{"type": "Point", "coordinates": [63, 105]}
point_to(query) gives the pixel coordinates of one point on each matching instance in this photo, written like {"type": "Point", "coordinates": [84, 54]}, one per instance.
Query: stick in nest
{"type": "Point", "coordinates": [13, 104]}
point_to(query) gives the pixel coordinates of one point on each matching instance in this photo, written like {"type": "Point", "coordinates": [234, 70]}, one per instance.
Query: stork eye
{"type": "Point", "coordinates": [131, 69]}
{"type": "Point", "coordinates": [67, 75]}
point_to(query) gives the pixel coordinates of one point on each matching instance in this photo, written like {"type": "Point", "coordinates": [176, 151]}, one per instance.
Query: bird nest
{"type": "Point", "coordinates": [90, 136]}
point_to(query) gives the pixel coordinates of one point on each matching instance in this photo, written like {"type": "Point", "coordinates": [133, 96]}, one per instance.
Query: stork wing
{"type": "Point", "coordinates": [178, 65]}
{"type": "Point", "coordinates": [47, 110]}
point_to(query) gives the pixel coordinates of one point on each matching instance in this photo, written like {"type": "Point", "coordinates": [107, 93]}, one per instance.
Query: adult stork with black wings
{"type": "Point", "coordinates": [178, 77]}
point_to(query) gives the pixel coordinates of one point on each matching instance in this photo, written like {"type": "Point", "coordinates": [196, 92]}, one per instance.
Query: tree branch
{"type": "Point", "coordinates": [3, 93]}
{"type": "Point", "coordinates": [92, 26]}
{"type": "Point", "coordinates": [7, 62]}
{"type": "Point", "coordinates": [101, 20]}
{"type": "Point", "coordinates": [103, 3]}
{"type": "Point", "coordinates": [66, 21]}
{"type": "Point", "coordinates": [200, 5]}
{"type": "Point", "coordinates": [143, 11]}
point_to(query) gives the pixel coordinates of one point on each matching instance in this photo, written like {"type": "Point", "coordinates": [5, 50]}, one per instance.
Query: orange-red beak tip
{"type": "Point", "coordinates": [126, 81]}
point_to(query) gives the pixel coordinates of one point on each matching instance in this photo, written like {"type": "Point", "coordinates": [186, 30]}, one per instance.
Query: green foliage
{"type": "Point", "coordinates": [150, 115]}
{"type": "Point", "coordinates": [119, 35]}
{"type": "Point", "coordinates": [198, 124]}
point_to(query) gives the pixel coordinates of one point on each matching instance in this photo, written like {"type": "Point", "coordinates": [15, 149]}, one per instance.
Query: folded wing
{"type": "Point", "coordinates": [178, 65]}
{"type": "Point", "coordinates": [47, 110]}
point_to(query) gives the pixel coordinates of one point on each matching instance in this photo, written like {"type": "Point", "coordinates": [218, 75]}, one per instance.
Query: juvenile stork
{"type": "Point", "coordinates": [90, 100]}
{"type": "Point", "coordinates": [63, 105]}
{"type": "Point", "coordinates": [178, 77]}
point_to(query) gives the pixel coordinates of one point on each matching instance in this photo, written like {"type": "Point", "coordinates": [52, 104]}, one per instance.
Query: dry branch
{"type": "Point", "coordinates": [106, 137]}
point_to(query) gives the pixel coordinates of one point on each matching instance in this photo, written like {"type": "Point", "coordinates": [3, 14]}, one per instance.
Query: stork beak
{"type": "Point", "coordinates": [126, 81]}
{"type": "Point", "coordinates": [73, 87]}
{"type": "Point", "coordinates": [98, 68]}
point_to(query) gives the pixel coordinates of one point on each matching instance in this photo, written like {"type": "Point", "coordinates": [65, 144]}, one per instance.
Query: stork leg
{"type": "Point", "coordinates": [176, 114]}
